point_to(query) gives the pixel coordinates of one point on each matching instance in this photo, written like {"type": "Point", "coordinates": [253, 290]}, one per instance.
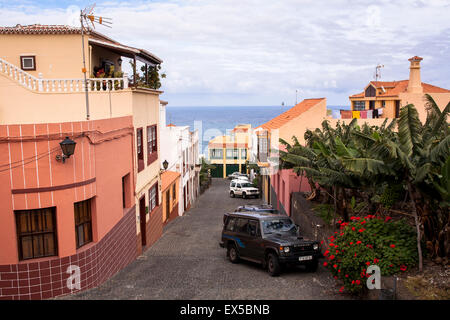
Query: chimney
{"type": "Point", "coordinates": [415, 84]}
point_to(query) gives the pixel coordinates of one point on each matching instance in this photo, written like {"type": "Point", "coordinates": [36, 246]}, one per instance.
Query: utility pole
{"type": "Point", "coordinates": [87, 16]}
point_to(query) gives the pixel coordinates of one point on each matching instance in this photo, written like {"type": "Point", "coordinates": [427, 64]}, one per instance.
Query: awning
{"type": "Point", "coordinates": [129, 52]}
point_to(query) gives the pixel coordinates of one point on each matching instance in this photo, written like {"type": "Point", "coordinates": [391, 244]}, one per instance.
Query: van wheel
{"type": "Point", "coordinates": [244, 196]}
{"type": "Point", "coordinates": [232, 253]}
{"type": "Point", "coordinates": [273, 265]}
{"type": "Point", "coordinates": [232, 194]}
{"type": "Point", "coordinates": [312, 266]}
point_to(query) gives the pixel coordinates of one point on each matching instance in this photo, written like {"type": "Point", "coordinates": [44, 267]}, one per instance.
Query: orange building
{"type": "Point", "coordinates": [87, 215]}
{"type": "Point", "coordinates": [383, 99]}
{"type": "Point", "coordinates": [170, 184]}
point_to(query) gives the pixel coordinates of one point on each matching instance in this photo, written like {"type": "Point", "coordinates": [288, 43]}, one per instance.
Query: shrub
{"type": "Point", "coordinates": [369, 241]}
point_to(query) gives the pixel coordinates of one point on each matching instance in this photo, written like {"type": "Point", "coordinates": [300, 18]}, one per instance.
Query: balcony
{"type": "Point", "coordinates": [42, 85]}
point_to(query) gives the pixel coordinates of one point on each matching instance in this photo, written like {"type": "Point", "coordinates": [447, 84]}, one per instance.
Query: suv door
{"type": "Point", "coordinates": [255, 244]}
{"type": "Point", "coordinates": [238, 190]}
{"type": "Point", "coordinates": [242, 237]}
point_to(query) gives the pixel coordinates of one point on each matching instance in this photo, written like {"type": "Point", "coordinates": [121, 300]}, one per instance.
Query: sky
{"type": "Point", "coordinates": [261, 52]}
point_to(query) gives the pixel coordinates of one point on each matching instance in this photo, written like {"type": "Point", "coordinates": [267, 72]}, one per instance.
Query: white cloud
{"type": "Point", "coordinates": [261, 51]}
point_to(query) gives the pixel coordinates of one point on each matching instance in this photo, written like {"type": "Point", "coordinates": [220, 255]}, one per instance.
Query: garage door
{"type": "Point", "coordinates": [218, 171]}
{"type": "Point", "coordinates": [232, 168]}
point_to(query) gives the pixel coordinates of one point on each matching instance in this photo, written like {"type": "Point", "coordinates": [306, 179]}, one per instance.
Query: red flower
{"type": "Point", "coordinates": [387, 219]}
{"type": "Point", "coordinates": [326, 253]}
{"type": "Point", "coordinates": [353, 281]}
{"type": "Point", "coordinates": [391, 265]}
{"type": "Point", "coordinates": [368, 263]}
{"type": "Point", "coordinates": [331, 244]}
{"type": "Point", "coordinates": [375, 260]}
{"type": "Point", "coordinates": [339, 270]}
{"type": "Point", "coordinates": [335, 277]}
{"type": "Point", "coordinates": [346, 275]}
{"type": "Point", "coordinates": [355, 254]}
{"type": "Point", "coordinates": [351, 242]}
{"type": "Point", "coordinates": [335, 266]}
{"type": "Point", "coordinates": [361, 230]}
{"type": "Point", "coordinates": [321, 242]}
{"type": "Point", "coordinates": [325, 264]}
{"type": "Point", "coordinates": [392, 245]}
{"type": "Point", "coordinates": [331, 257]}
{"type": "Point", "coordinates": [358, 242]}
{"type": "Point", "coordinates": [363, 222]}
{"type": "Point", "coordinates": [403, 267]}
{"type": "Point", "coordinates": [341, 289]}
{"type": "Point", "coordinates": [358, 282]}
{"type": "Point", "coordinates": [353, 228]}
{"type": "Point", "coordinates": [337, 251]}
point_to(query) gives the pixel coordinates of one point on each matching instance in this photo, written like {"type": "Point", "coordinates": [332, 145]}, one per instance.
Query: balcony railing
{"type": "Point", "coordinates": [61, 85]}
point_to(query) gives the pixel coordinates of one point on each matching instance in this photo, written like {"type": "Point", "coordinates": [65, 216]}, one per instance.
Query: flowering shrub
{"type": "Point", "coordinates": [366, 241]}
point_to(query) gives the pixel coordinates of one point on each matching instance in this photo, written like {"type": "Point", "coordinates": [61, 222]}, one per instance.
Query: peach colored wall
{"type": "Point", "coordinates": [310, 119]}
{"type": "Point", "coordinates": [64, 62]}
{"type": "Point", "coordinates": [35, 107]}
{"type": "Point", "coordinates": [174, 201]}
{"type": "Point", "coordinates": [92, 159]}
{"type": "Point", "coordinates": [441, 99]}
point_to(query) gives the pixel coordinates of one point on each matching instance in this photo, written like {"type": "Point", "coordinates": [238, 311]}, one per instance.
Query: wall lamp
{"type": "Point", "coordinates": [68, 148]}
{"type": "Point", "coordinates": [165, 164]}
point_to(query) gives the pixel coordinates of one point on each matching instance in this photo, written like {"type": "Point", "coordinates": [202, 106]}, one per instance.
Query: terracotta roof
{"type": "Point", "coordinates": [39, 29]}
{"type": "Point", "coordinates": [167, 178]}
{"type": "Point", "coordinates": [393, 88]}
{"type": "Point", "coordinates": [292, 113]}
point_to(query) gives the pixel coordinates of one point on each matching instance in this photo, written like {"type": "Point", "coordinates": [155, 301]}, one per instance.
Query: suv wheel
{"type": "Point", "coordinates": [232, 194]}
{"type": "Point", "coordinates": [244, 195]}
{"type": "Point", "coordinates": [273, 265]}
{"type": "Point", "coordinates": [312, 266]}
{"type": "Point", "coordinates": [233, 254]}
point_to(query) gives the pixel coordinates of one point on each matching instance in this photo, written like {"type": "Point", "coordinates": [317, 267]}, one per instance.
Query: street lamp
{"type": "Point", "coordinates": [165, 164]}
{"type": "Point", "coordinates": [67, 147]}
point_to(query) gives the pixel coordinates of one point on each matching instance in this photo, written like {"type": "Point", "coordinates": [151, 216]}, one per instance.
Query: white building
{"type": "Point", "coordinates": [180, 148]}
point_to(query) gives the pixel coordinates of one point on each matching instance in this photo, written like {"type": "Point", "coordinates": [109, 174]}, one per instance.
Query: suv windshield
{"type": "Point", "coordinates": [246, 185]}
{"type": "Point", "coordinates": [282, 225]}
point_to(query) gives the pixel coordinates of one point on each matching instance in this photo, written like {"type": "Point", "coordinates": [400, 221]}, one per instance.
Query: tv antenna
{"type": "Point", "coordinates": [87, 18]}
{"type": "Point", "coordinates": [377, 74]}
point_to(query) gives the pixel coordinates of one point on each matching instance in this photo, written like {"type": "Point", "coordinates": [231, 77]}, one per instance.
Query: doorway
{"type": "Point", "coordinates": [143, 221]}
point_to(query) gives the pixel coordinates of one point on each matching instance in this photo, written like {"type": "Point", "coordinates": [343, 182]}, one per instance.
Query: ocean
{"type": "Point", "coordinates": [216, 121]}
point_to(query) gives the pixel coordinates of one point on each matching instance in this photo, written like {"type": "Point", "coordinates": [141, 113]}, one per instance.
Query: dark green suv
{"type": "Point", "coordinates": [270, 239]}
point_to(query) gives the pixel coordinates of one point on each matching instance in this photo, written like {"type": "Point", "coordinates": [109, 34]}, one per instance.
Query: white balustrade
{"type": "Point", "coordinates": [61, 85]}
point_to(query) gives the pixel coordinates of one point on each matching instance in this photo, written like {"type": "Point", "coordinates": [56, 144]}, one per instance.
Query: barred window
{"type": "Point", "coordinates": [359, 105]}
{"type": "Point", "coordinates": [153, 197]}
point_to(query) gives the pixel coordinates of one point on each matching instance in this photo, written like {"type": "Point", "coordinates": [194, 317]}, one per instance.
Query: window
{"type": "Point", "coordinates": [263, 148]}
{"type": "Point", "coordinates": [231, 224]}
{"type": "Point", "coordinates": [232, 153]}
{"type": "Point", "coordinates": [152, 145]}
{"type": "Point", "coordinates": [174, 192]}
{"type": "Point", "coordinates": [36, 233]}
{"type": "Point", "coordinates": [216, 153]}
{"type": "Point", "coordinates": [359, 105]}
{"type": "Point", "coordinates": [370, 91]}
{"type": "Point", "coordinates": [153, 197]}
{"type": "Point", "coordinates": [244, 154]}
{"type": "Point", "coordinates": [140, 149]}
{"type": "Point", "coordinates": [83, 222]}
{"type": "Point", "coordinates": [28, 63]}
{"type": "Point", "coordinates": [253, 228]}
{"type": "Point", "coordinates": [383, 103]}
{"type": "Point", "coordinates": [241, 225]}
{"type": "Point", "coordinates": [126, 191]}
{"type": "Point", "coordinates": [233, 184]}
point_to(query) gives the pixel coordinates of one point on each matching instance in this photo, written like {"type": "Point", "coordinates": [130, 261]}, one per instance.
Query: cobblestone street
{"type": "Point", "coordinates": [188, 263]}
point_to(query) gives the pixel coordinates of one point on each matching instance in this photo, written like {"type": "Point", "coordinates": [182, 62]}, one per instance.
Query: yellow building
{"type": "Point", "coordinates": [383, 99]}
{"type": "Point", "coordinates": [229, 153]}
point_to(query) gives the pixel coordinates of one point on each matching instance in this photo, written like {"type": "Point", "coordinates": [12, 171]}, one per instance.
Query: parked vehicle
{"type": "Point", "coordinates": [243, 188]}
{"type": "Point", "coordinates": [272, 240]}
{"type": "Point", "coordinates": [236, 175]}
{"type": "Point", "coordinates": [257, 207]}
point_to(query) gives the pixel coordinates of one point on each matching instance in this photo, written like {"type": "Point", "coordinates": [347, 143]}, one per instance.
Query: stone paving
{"type": "Point", "coordinates": [188, 263]}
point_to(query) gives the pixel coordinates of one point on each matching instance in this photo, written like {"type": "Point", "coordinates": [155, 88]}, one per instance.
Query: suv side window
{"type": "Point", "coordinates": [231, 224]}
{"type": "Point", "coordinates": [238, 185]}
{"type": "Point", "coordinates": [241, 225]}
{"type": "Point", "coordinates": [253, 228]}
{"type": "Point", "coordinates": [233, 184]}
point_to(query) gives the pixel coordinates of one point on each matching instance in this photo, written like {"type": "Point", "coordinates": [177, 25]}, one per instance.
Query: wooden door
{"type": "Point", "coordinates": [143, 215]}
